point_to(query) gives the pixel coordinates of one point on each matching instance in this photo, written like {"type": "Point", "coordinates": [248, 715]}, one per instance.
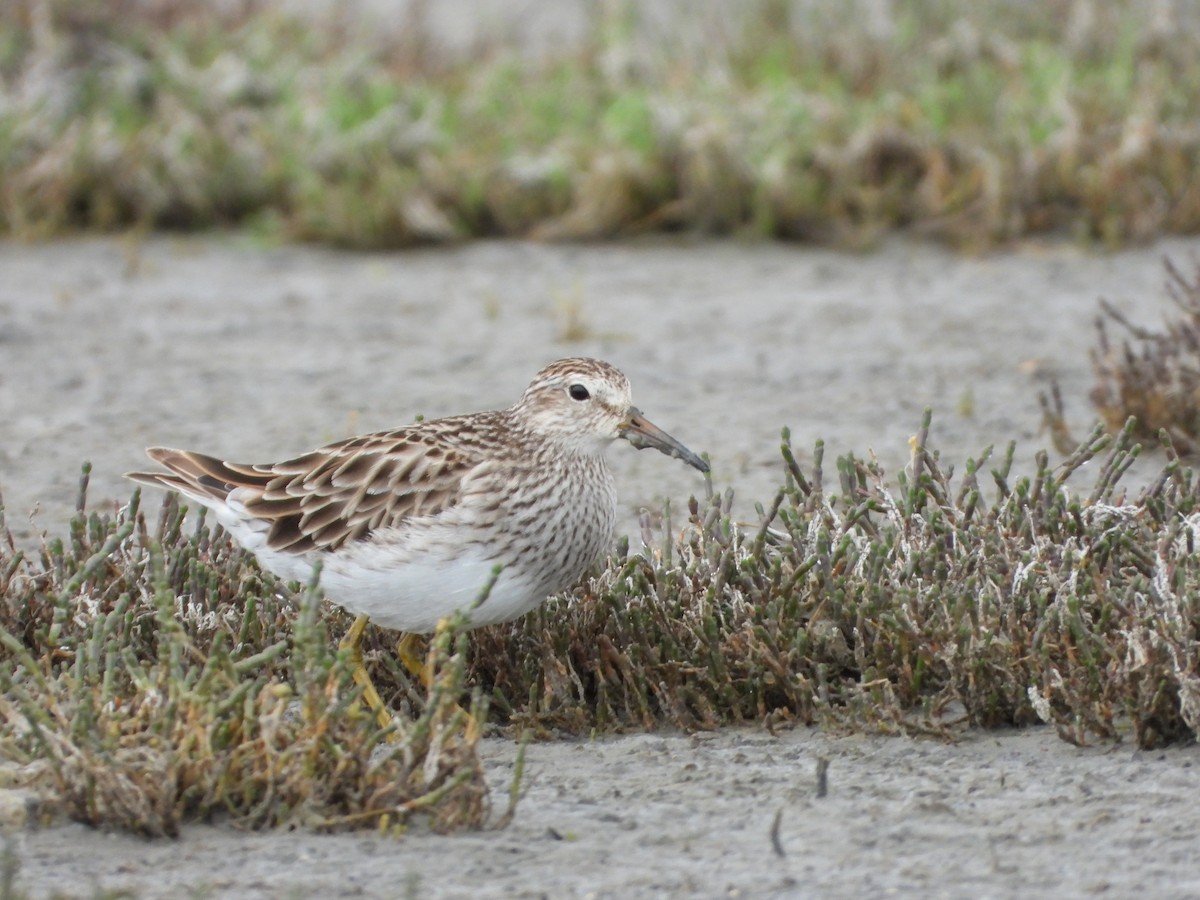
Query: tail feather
{"type": "Point", "coordinates": [196, 475]}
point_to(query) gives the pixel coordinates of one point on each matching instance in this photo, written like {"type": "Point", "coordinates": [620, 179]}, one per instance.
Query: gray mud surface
{"type": "Point", "coordinates": [1005, 814]}
{"type": "Point", "coordinates": [255, 352]}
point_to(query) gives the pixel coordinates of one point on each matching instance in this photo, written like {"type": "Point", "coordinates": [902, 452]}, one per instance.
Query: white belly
{"type": "Point", "coordinates": [416, 596]}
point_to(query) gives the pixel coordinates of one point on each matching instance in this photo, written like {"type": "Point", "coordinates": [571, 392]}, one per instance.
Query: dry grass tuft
{"type": "Point", "coordinates": [157, 679]}
{"type": "Point", "coordinates": [1154, 376]}
{"type": "Point", "coordinates": [910, 607]}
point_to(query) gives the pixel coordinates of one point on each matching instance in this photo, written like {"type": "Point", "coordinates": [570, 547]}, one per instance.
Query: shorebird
{"type": "Point", "coordinates": [485, 514]}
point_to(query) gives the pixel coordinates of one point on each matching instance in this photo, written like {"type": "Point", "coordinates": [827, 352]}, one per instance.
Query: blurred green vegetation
{"type": "Point", "coordinates": [973, 123]}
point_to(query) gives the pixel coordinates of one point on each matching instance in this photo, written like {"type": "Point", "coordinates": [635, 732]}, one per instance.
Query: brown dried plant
{"type": "Point", "coordinates": [1153, 376]}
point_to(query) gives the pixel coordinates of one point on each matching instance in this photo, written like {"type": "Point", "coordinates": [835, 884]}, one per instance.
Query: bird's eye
{"type": "Point", "coordinates": [578, 392]}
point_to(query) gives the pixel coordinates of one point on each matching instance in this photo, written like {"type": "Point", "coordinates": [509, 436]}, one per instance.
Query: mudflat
{"type": "Point", "coordinates": [255, 352]}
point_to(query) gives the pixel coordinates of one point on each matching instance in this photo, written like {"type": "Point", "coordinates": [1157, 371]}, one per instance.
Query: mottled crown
{"type": "Point", "coordinates": [580, 368]}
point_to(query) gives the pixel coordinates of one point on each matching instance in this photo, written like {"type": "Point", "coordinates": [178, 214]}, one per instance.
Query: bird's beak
{"type": "Point", "coordinates": [642, 433]}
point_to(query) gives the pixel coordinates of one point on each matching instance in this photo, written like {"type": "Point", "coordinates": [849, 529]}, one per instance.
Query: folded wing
{"type": "Point", "coordinates": [326, 498]}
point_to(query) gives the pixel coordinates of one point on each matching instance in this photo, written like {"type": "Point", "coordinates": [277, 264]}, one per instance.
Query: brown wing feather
{"type": "Point", "coordinates": [192, 473]}
{"type": "Point", "coordinates": [336, 494]}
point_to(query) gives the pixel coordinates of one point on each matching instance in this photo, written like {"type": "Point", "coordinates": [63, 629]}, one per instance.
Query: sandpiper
{"type": "Point", "coordinates": [411, 525]}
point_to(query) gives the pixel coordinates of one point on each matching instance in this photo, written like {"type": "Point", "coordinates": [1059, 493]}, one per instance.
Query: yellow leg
{"type": "Point", "coordinates": [411, 652]}
{"type": "Point", "coordinates": [353, 642]}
